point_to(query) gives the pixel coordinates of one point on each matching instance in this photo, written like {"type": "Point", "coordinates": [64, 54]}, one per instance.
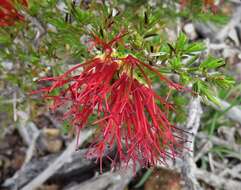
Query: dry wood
{"type": "Point", "coordinates": [233, 22]}
{"type": "Point", "coordinates": [217, 181]}
{"type": "Point", "coordinates": [36, 166]}
{"type": "Point", "coordinates": [50, 166]}
{"type": "Point", "coordinates": [109, 181]}
{"type": "Point", "coordinates": [188, 165]}
{"type": "Point", "coordinates": [205, 148]}
{"type": "Point", "coordinates": [220, 142]}
{"type": "Point", "coordinates": [58, 163]}
{"type": "Point", "coordinates": [27, 130]}
{"type": "Point", "coordinates": [234, 172]}
{"type": "Point", "coordinates": [232, 112]}
{"type": "Point", "coordinates": [40, 29]}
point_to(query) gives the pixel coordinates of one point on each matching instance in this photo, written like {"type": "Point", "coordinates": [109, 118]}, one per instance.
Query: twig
{"type": "Point", "coordinates": [108, 181]}
{"type": "Point", "coordinates": [232, 112]}
{"type": "Point", "coordinates": [188, 165]}
{"type": "Point", "coordinates": [29, 132]}
{"type": "Point", "coordinates": [218, 141]}
{"type": "Point", "coordinates": [41, 31]}
{"type": "Point", "coordinates": [14, 106]}
{"type": "Point", "coordinates": [234, 172]}
{"type": "Point", "coordinates": [55, 122]}
{"type": "Point", "coordinates": [210, 159]}
{"type": "Point", "coordinates": [206, 147]}
{"type": "Point", "coordinates": [235, 1]}
{"type": "Point", "coordinates": [58, 163]}
{"type": "Point", "coordinates": [27, 129]}
{"type": "Point", "coordinates": [217, 181]}
{"type": "Point", "coordinates": [234, 21]}
{"type": "Point", "coordinates": [31, 149]}
{"type": "Point", "coordinates": [32, 169]}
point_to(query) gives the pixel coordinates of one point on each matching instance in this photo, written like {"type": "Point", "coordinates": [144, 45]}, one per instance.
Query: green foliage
{"type": "Point", "coordinates": [223, 152]}
{"type": "Point", "coordinates": [6, 111]}
{"type": "Point", "coordinates": [211, 63]}
{"type": "Point", "coordinates": [184, 59]}
{"type": "Point", "coordinates": [215, 119]}
{"type": "Point", "coordinates": [62, 45]}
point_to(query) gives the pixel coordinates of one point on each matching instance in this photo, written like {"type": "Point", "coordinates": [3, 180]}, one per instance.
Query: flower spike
{"type": "Point", "coordinates": [127, 112]}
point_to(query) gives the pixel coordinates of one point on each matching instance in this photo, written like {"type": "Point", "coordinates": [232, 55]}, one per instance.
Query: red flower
{"type": "Point", "coordinates": [208, 4]}
{"type": "Point", "coordinates": [127, 111]}
{"type": "Point", "coordinates": [8, 13]}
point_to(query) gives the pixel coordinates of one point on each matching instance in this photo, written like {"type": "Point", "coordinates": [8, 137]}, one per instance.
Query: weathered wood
{"type": "Point", "coordinates": [188, 165]}
{"type": "Point", "coordinates": [35, 167]}
{"type": "Point", "coordinates": [108, 181]}
{"type": "Point", "coordinates": [49, 167]}
{"type": "Point", "coordinates": [217, 181]}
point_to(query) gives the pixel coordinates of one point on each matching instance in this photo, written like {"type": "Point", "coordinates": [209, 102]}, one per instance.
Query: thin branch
{"type": "Point", "coordinates": [217, 181]}
{"type": "Point", "coordinates": [232, 112]}
{"type": "Point", "coordinates": [41, 31]}
{"type": "Point", "coordinates": [233, 22]}
{"type": "Point", "coordinates": [188, 165]}
{"type": "Point", "coordinates": [220, 142]}
{"type": "Point", "coordinates": [117, 180]}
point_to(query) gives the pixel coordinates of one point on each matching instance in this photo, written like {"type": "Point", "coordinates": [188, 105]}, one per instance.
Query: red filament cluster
{"type": "Point", "coordinates": [128, 114]}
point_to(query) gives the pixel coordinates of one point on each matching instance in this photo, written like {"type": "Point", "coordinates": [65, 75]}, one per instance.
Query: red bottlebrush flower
{"type": "Point", "coordinates": [210, 4]}
{"type": "Point", "coordinates": [8, 13]}
{"type": "Point", "coordinates": [206, 3]}
{"type": "Point", "coordinates": [128, 115]}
